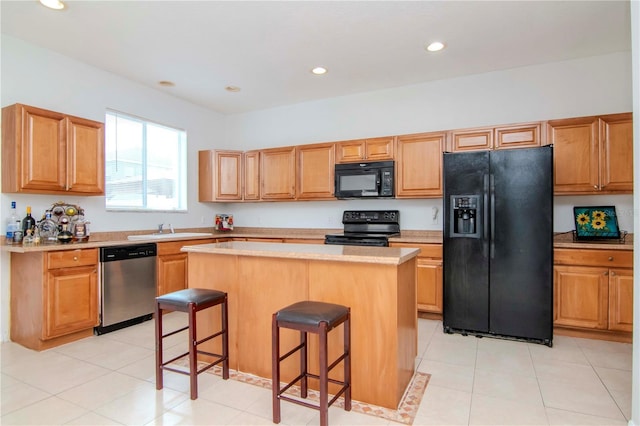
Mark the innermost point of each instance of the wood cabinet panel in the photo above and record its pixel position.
(374, 149)
(518, 136)
(592, 154)
(621, 299)
(252, 175)
(471, 139)
(72, 258)
(172, 273)
(379, 149)
(278, 173)
(172, 265)
(419, 165)
(46, 152)
(72, 300)
(606, 258)
(219, 175)
(315, 172)
(581, 296)
(428, 276)
(575, 154)
(85, 156)
(616, 153)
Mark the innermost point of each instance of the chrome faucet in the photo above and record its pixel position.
(160, 225)
(171, 229)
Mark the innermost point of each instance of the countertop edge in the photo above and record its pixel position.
(306, 252)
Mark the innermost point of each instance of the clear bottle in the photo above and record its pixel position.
(28, 222)
(13, 223)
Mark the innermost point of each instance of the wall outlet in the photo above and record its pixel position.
(434, 215)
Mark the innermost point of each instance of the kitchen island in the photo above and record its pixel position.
(377, 283)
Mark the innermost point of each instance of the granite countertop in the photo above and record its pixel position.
(107, 239)
(379, 255)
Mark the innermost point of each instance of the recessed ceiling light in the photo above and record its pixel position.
(53, 4)
(319, 70)
(166, 83)
(232, 89)
(435, 46)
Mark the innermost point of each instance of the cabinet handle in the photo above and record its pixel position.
(613, 273)
(595, 187)
(606, 273)
(610, 258)
(75, 258)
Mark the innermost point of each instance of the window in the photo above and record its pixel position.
(145, 165)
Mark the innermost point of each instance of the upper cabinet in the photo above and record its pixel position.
(419, 165)
(527, 135)
(316, 164)
(278, 173)
(592, 154)
(219, 175)
(46, 152)
(252, 175)
(376, 149)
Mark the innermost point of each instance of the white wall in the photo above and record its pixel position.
(635, 374)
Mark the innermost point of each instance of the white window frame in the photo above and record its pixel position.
(181, 173)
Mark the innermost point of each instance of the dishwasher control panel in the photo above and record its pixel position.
(130, 251)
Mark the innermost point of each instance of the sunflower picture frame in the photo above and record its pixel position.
(596, 223)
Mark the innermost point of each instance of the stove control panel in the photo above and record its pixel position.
(371, 216)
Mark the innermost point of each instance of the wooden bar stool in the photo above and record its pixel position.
(318, 318)
(191, 301)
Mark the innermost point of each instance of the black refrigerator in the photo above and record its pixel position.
(498, 244)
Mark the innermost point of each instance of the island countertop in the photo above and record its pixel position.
(358, 254)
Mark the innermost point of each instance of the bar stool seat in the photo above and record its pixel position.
(192, 301)
(319, 318)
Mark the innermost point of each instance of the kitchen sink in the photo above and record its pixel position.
(169, 235)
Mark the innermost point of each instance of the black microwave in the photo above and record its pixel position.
(365, 180)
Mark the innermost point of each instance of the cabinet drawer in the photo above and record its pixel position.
(606, 258)
(427, 250)
(174, 247)
(72, 258)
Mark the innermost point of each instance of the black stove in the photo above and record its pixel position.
(367, 228)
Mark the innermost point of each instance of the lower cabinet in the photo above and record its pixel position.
(593, 292)
(428, 276)
(54, 297)
(171, 265)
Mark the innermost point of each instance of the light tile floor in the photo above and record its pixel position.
(109, 380)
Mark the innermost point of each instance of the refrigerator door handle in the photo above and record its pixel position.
(485, 216)
(492, 186)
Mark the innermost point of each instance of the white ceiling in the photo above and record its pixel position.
(267, 48)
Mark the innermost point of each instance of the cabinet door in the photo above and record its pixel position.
(471, 140)
(71, 301)
(85, 156)
(252, 175)
(316, 165)
(278, 173)
(581, 296)
(219, 175)
(172, 273)
(575, 154)
(379, 149)
(419, 165)
(621, 299)
(518, 136)
(616, 153)
(350, 151)
(42, 139)
(429, 283)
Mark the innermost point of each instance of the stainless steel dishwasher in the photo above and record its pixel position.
(128, 285)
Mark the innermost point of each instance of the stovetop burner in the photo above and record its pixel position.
(367, 228)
